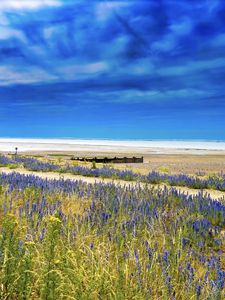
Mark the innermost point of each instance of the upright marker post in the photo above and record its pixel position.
(16, 152)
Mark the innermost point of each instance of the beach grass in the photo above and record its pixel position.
(71, 240)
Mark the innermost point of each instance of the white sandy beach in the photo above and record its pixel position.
(112, 146)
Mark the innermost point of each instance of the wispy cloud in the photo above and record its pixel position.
(28, 4)
(158, 53)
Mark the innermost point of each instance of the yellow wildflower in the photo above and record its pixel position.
(54, 219)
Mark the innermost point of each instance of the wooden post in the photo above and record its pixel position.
(16, 152)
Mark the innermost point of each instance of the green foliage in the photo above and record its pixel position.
(51, 249)
(12, 167)
(93, 165)
(59, 155)
(164, 169)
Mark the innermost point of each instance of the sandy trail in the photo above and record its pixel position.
(53, 175)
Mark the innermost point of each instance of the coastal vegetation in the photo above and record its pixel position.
(62, 239)
(210, 181)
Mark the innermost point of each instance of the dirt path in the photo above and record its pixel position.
(53, 175)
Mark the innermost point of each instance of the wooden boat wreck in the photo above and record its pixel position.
(113, 160)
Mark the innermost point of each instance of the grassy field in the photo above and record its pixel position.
(62, 239)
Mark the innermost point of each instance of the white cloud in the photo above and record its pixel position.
(183, 27)
(27, 4)
(167, 43)
(193, 66)
(12, 75)
(7, 32)
(143, 67)
(75, 71)
(105, 9)
(153, 96)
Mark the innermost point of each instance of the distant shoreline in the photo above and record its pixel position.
(112, 146)
(111, 139)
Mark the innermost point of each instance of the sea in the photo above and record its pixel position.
(59, 144)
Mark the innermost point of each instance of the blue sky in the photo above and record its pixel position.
(112, 69)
